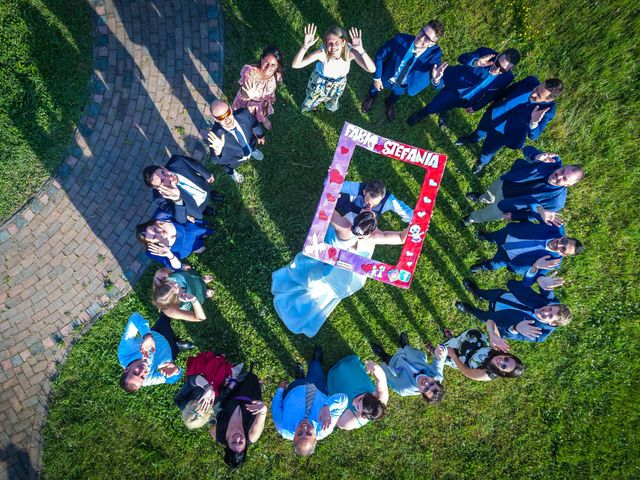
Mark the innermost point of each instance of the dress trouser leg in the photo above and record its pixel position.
(490, 212)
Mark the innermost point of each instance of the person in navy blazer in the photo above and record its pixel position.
(535, 187)
(407, 64)
(520, 313)
(523, 110)
(529, 249)
(182, 188)
(482, 75)
(234, 138)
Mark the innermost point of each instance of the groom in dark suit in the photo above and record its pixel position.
(234, 138)
(182, 188)
(407, 64)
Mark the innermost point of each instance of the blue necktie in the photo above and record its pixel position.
(507, 106)
(405, 70)
(524, 244)
(473, 91)
(246, 149)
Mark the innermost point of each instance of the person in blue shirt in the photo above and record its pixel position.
(373, 195)
(407, 64)
(303, 411)
(529, 249)
(534, 188)
(520, 313)
(523, 110)
(482, 75)
(147, 354)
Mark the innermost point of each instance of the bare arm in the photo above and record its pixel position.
(472, 373)
(187, 316)
(389, 237)
(301, 60)
(382, 389)
(258, 426)
(342, 226)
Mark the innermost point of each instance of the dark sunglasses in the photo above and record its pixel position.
(500, 68)
(223, 116)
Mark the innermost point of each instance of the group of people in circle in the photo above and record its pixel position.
(228, 397)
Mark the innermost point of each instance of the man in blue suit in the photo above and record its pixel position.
(182, 188)
(472, 85)
(534, 187)
(520, 313)
(523, 110)
(407, 64)
(529, 249)
(234, 138)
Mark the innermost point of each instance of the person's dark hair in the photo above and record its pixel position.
(554, 86)
(235, 459)
(437, 397)
(372, 407)
(365, 223)
(438, 27)
(375, 188)
(126, 386)
(512, 55)
(141, 228)
(517, 371)
(147, 174)
(579, 246)
(277, 54)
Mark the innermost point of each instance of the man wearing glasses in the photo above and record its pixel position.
(529, 249)
(407, 64)
(535, 188)
(234, 138)
(482, 75)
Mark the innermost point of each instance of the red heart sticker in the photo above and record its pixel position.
(335, 177)
(367, 267)
(322, 215)
(333, 252)
(331, 198)
(377, 147)
(344, 150)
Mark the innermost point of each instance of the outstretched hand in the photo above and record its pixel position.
(550, 282)
(546, 263)
(550, 218)
(310, 37)
(485, 61)
(438, 71)
(356, 39)
(547, 157)
(538, 114)
(216, 143)
(325, 417)
(527, 328)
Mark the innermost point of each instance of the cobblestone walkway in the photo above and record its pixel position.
(70, 253)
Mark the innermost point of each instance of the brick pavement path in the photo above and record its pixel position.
(70, 253)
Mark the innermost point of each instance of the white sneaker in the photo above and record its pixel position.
(237, 177)
(257, 155)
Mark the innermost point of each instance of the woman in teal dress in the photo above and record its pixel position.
(307, 290)
(367, 402)
(180, 294)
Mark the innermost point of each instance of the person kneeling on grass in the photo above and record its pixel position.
(409, 372)
(148, 358)
(180, 294)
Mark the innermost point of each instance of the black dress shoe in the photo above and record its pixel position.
(464, 140)
(209, 211)
(463, 307)
(380, 352)
(299, 372)
(317, 353)
(182, 345)
(477, 170)
(483, 236)
(404, 339)
(470, 287)
(478, 267)
(216, 197)
(414, 118)
(391, 112)
(442, 119)
(473, 196)
(367, 104)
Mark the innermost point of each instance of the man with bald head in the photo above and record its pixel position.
(303, 411)
(535, 188)
(234, 138)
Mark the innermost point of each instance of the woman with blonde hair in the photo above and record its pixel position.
(333, 61)
(180, 294)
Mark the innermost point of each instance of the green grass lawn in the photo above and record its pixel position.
(574, 414)
(45, 64)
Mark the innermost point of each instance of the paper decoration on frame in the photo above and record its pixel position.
(401, 274)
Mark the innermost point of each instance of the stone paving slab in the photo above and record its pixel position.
(157, 64)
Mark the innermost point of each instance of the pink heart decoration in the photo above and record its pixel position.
(322, 215)
(367, 267)
(335, 176)
(331, 198)
(332, 252)
(344, 150)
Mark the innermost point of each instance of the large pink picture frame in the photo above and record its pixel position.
(402, 273)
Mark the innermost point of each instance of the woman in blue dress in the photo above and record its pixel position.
(307, 290)
(367, 402)
(169, 242)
